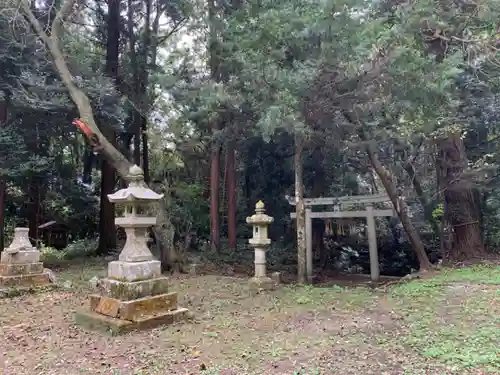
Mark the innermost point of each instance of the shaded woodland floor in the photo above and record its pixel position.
(448, 324)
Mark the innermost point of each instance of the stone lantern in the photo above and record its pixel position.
(134, 294)
(20, 265)
(260, 241)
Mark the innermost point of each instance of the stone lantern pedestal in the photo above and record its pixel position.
(134, 295)
(20, 265)
(260, 241)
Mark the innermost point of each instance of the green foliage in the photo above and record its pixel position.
(189, 208)
(76, 250)
(438, 212)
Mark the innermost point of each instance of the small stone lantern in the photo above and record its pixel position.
(135, 294)
(260, 241)
(20, 265)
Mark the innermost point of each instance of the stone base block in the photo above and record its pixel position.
(262, 283)
(98, 322)
(134, 310)
(127, 291)
(28, 256)
(21, 269)
(25, 280)
(134, 271)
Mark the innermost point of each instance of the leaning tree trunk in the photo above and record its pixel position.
(461, 200)
(399, 204)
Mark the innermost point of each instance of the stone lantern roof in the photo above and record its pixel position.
(260, 218)
(137, 189)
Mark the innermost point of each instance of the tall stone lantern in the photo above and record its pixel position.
(134, 294)
(260, 241)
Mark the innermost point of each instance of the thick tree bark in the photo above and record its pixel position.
(231, 196)
(462, 201)
(101, 144)
(301, 212)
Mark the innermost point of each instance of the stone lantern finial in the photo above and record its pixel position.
(135, 176)
(260, 207)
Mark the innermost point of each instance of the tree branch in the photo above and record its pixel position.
(82, 102)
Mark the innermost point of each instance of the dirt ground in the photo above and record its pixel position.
(449, 324)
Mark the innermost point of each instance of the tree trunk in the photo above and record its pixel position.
(231, 196)
(301, 212)
(107, 232)
(426, 205)
(399, 204)
(88, 166)
(462, 201)
(137, 139)
(145, 148)
(215, 75)
(33, 210)
(214, 196)
(164, 233)
(3, 185)
(33, 144)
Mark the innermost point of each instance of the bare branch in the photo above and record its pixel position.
(82, 102)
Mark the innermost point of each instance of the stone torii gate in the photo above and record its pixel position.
(369, 213)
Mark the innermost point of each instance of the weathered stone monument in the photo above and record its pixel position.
(20, 265)
(135, 294)
(260, 241)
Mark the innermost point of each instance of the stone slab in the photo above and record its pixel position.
(134, 271)
(133, 310)
(21, 269)
(258, 284)
(127, 291)
(144, 307)
(25, 280)
(97, 322)
(30, 256)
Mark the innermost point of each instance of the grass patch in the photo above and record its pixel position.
(454, 317)
(480, 274)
